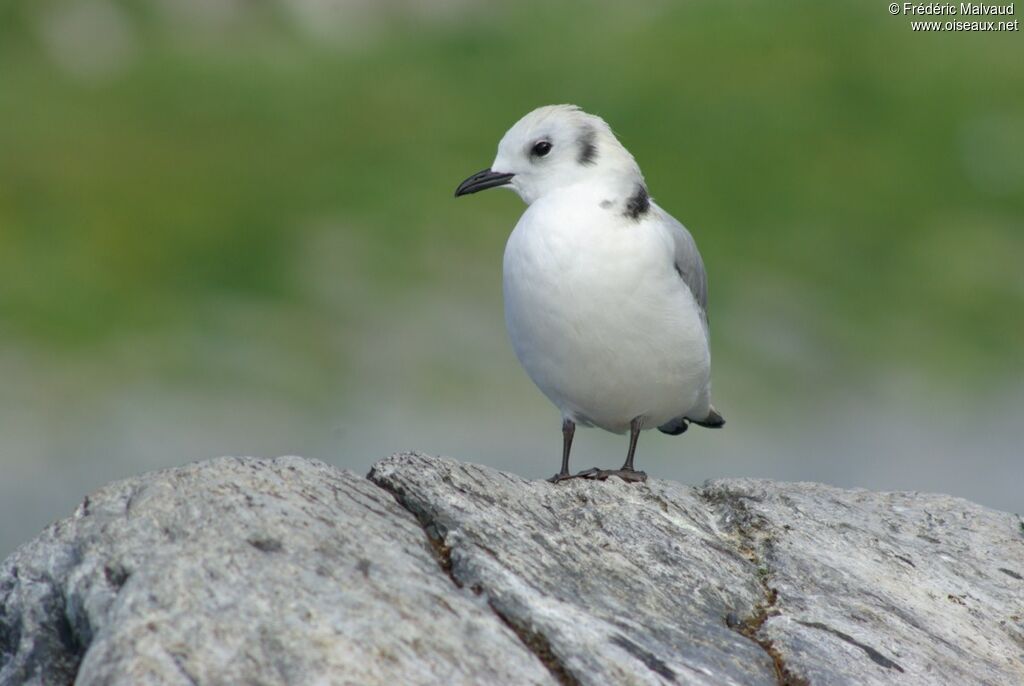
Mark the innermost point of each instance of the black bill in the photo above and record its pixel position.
(482, 181)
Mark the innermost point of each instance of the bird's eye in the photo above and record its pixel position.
(541, 148)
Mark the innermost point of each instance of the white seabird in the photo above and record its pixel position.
(605, 292)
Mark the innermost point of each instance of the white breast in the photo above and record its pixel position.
(599, 317)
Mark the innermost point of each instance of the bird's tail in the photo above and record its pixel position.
(712, 421)
(680, 424)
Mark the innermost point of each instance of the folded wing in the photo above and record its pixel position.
(690, 266)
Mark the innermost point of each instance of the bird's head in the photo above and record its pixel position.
(554, 147)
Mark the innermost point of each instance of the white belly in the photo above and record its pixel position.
(601, 321)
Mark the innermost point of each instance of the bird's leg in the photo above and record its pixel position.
(634, 436)
(568, 430)
(626, 473)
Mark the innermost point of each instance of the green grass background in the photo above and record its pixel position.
(245, 198)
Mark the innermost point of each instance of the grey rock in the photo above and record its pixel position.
(244, 571)
(632, 583)
(624, 584)
(432, 571)
(881, 588)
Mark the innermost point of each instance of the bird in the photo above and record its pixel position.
(605, 293)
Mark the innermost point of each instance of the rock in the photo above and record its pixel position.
(432, 571)
(619, 583)
(244, 571)
(881, 588)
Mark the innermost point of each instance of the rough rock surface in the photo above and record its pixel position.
(432, 571)
(244, 571)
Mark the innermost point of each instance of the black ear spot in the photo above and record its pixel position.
(588, 147)
(540, 148)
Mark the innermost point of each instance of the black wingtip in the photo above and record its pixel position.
(712, 421)
(677, 426)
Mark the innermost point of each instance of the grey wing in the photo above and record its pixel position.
(690, 266)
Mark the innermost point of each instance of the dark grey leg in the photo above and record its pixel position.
(626, 473)
(568, 431)
(634, 436)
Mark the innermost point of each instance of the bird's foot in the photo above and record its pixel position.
(629, 475)
(595, 474)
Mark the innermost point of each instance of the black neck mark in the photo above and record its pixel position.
(588, 147)
(638, 204)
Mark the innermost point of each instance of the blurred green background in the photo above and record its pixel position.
(227, 227)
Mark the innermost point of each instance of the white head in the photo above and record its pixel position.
(554, 147)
